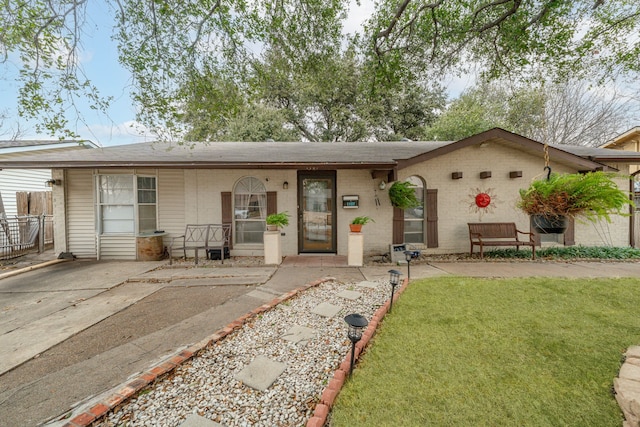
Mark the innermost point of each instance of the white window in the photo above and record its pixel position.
(126, 204)
(250, 210)
(414, 217)
(147, 204)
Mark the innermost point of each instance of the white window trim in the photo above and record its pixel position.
(136, 217)
(250, 245)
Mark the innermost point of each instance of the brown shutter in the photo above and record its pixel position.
(570, 234)
(432, 218)
(227, 212)
(398, 226)
(272, 202)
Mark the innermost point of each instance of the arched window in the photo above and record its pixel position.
(414, 217)
(250, 210)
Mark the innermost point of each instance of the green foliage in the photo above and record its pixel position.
(279, 219)
(402, 195)
(361, 220)
(489, 105)
(592, 196)
(569, 252)
(504, 38)
(495, 352)
(198, 66)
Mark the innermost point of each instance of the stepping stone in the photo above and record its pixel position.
(326, 310)
(194, 420)
(262, 295)
(261, 373)
(370, 285)
(351, 295)
(299, 334)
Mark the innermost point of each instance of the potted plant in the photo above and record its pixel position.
(591, 196)
(277, 220)
(403, 195)
(358, 222)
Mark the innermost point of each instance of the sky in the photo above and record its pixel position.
(99, 60)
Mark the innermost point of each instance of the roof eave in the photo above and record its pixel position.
(501, 135)
(198, 165)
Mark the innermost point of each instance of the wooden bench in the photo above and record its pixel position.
(485, 234)
(201, 236)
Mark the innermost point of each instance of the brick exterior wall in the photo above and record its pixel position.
(194, 196)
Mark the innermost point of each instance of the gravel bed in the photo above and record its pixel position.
(205, 385)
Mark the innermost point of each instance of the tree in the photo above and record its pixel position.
(14, 132)
(403, 110)
(578, 113)
(570, 112)
(490, 104)
(507, 36)
(168, 44)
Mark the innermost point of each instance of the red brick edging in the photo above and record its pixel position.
(101, 409)
(332, 390)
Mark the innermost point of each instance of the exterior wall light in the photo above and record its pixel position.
(51, 182)
(285, 185)
(394, 279)
(357, 323)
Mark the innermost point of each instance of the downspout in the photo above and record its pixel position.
(632, 208)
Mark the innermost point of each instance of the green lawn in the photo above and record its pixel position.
(496, 352)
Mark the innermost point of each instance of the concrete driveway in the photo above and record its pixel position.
(73, 330)
(46, 306)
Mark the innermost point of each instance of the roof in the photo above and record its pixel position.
(272, 155)
(304, 155)
(622, 139)
(29, 145)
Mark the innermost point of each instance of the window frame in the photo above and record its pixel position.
(239, 235)
(421, 220)
(134, 203)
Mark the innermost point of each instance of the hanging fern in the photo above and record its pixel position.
(592, 196)
(403, 195)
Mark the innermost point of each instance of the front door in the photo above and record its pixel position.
(316, 211)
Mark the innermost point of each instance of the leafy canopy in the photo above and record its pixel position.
(200, 66)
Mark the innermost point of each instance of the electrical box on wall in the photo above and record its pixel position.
(350, 202)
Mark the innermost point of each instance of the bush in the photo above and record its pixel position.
(570, 252)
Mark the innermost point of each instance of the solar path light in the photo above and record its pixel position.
(408, 256)
(356, 323)
(394, 279)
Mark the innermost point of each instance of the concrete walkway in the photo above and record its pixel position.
(73, 330)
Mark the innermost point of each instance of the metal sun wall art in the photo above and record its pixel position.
(482, 201)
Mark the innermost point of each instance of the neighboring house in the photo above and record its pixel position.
(109, 197)
(28, 180)
(628, 141)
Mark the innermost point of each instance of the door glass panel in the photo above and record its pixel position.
(317, 223)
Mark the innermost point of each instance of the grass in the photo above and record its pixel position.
(486, 352)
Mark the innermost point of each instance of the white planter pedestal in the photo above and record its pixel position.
(355, 249)
(272, 248)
